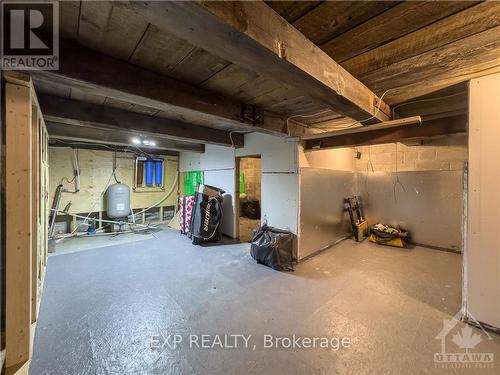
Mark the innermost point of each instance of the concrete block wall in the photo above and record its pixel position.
(446, 154)
(251, 168)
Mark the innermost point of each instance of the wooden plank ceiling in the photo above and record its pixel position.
(411, 49)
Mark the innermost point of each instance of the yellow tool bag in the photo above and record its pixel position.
(385, 235)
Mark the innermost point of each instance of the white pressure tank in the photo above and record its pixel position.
(118, 201)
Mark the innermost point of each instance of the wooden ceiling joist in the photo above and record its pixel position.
(401, 133)
(98, 74)
(253, 36)
(94, 116)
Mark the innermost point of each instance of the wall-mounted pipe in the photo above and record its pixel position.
(76, 169)
(55, 208)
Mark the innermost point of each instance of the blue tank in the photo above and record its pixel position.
(148, 166)
(158, 172)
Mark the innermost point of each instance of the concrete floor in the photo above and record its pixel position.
(101, 307)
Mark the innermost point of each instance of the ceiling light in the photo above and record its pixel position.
(145, 142)
(152, 143)
(136, 141)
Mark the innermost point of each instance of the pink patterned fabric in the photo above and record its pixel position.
(186, 208)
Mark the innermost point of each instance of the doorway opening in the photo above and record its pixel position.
(249, 177)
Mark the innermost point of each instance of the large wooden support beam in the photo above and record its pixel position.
(253, 36)
(19, 226)
(404, 132)
(88, 115)
(98, 74)
(103, 147)
(72, 134)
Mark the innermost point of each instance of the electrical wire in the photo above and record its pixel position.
(231, 135)
(368, 165)
(96, 144)
(425, 100)
(74, 176)
(335, 128)
(162, 199)
(114, 168)
(369, 118)
(305, 116)
(397, 181)
(95, 203)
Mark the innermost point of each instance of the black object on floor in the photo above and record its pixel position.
(207, 215)
(250, 209)
(273, 247)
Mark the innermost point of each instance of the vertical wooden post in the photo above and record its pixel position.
(35, 142)
(18, 189)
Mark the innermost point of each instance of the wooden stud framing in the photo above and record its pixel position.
(26, 198)
(19, 231)
(35, 144)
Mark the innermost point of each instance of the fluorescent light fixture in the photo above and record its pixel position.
(145, 142)
(136, 141)
(151, 143)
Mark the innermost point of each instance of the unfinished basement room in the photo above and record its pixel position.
(250, 187)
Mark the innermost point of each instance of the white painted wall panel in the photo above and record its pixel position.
(217, 157)
(483, 242)
(189, 161)
(338, 159)
(278, 154)
(280, 200)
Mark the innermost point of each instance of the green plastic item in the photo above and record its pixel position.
(242, 182)
(191, 179)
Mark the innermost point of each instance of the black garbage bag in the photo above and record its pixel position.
(273, 247)
(207, 215)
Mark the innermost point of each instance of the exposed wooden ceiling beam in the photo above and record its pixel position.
(98, 74)
(431, 128)
(102, 147)
(77, 113)
(365, 129)
(253, 36)
(104, 136)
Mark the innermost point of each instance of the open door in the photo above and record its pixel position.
(248, 197)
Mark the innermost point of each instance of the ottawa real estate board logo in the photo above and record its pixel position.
(461, 345)
(30, 35)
